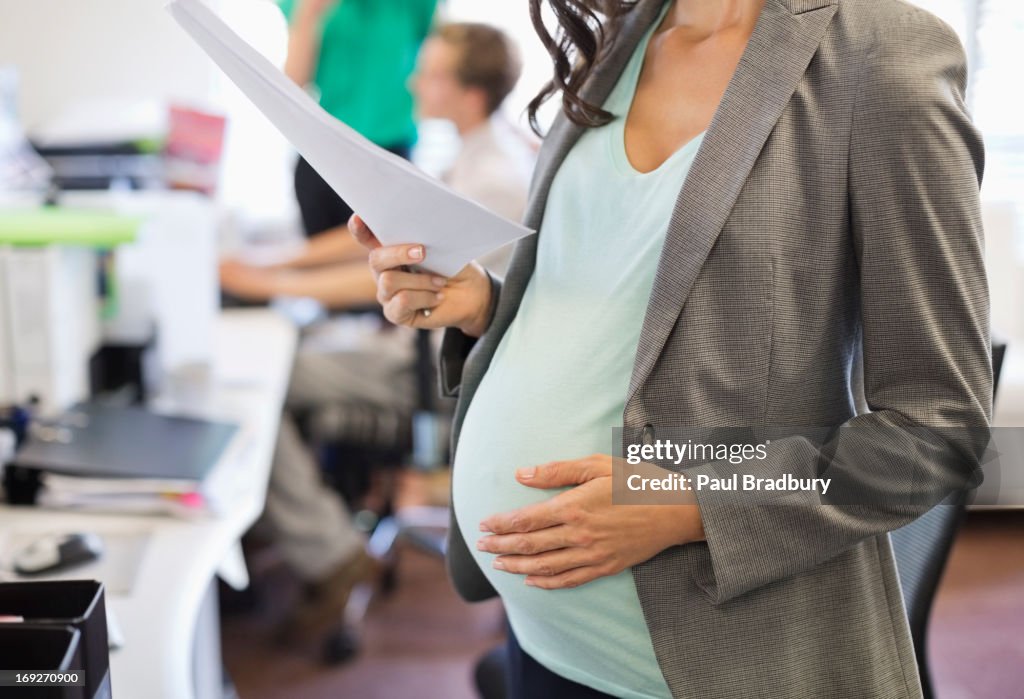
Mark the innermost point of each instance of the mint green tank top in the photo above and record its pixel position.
(557, 384)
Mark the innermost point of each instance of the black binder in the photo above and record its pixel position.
(99, 441)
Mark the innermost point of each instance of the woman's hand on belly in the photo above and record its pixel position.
(580, 535)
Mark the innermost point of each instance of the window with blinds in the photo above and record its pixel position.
(997, 99)
(992, 32)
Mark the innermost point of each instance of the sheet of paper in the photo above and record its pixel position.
(397, 201)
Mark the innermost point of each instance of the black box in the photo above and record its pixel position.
(76, 603)
(40, 648)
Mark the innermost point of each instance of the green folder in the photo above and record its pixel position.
(60, 226)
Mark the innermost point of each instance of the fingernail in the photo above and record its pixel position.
(529, 582)
(485, 528)
(525, 474)
(439, 281)
(416, 253)
(498, 564)
(481, 545)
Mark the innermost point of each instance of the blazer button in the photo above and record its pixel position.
(647, 436)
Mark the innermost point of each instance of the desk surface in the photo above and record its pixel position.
(246, 384)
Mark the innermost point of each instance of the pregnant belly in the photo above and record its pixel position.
(483, 476)
(512, 424)
(592, 631)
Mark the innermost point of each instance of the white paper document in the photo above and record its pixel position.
(397, 201)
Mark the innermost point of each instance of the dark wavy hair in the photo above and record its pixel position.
(585, 29)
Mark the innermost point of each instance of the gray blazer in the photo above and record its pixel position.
(829, 229)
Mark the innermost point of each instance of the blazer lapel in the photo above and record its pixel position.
(786, 36)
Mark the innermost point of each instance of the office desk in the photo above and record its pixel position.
(169, 620)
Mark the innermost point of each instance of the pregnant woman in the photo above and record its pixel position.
(749, 212)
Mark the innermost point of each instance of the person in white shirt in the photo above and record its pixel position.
(464, 74)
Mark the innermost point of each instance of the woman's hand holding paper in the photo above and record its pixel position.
(425, 300)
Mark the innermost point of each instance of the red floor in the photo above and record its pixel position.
(420, 642)
(977, 631)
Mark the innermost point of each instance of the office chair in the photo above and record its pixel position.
(922, 549)
(359, 442)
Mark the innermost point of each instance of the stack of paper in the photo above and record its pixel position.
(180, 498)
(397, 201)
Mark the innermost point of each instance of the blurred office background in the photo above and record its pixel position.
(110, 70)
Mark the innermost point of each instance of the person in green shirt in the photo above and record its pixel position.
(358, 55)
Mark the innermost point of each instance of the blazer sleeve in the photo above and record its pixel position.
(456, 345)
(915, 167)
